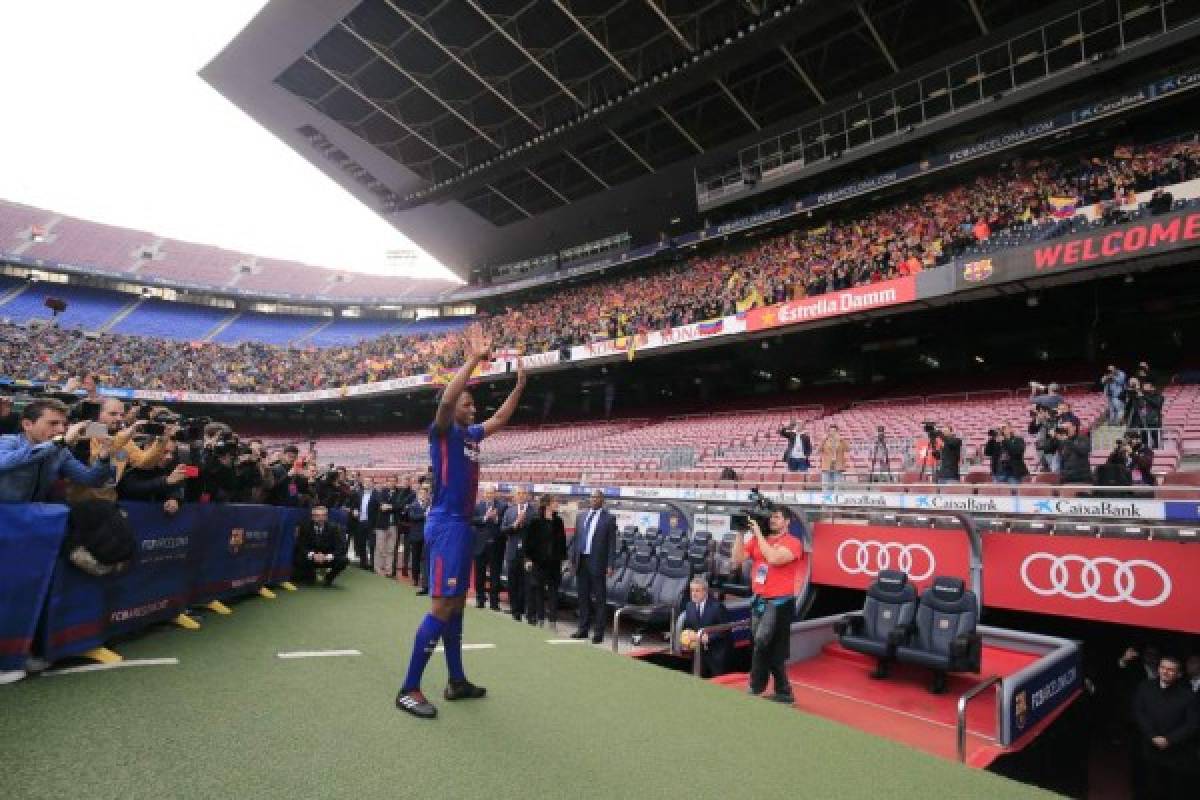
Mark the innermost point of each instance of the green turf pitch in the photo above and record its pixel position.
(232, 720)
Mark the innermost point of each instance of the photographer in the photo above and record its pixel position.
(947, 448)
(1112, 383)
(1042, 422)
(777, 557)
(288, 481)
(1150, 405)
(1007, 453)
(1074, 450)
(218, 476)
(252, 478)
(1133, 406)
(160, 482)
(126, 454)
(799, 447)
(32, 460)
(1141, 460)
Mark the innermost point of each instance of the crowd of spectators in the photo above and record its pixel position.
(883, 244)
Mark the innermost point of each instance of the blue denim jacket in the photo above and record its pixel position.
(28, 471)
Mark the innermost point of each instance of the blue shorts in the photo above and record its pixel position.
(449, 541)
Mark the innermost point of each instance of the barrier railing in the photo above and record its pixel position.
(199, 557)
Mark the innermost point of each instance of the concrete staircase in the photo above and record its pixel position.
(120, 315)
(222, 325)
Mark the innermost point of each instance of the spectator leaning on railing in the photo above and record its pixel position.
(32, 460)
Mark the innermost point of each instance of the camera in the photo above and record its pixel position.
(227, 444)
(1060, 430)
(992, 433)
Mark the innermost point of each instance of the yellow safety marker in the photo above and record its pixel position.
(267, 593)
(217, 607)
(187, 623)
(103, 655)
(288, 586)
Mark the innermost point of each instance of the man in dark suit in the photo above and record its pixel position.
(701, 611)
(591, 551)
(489, 553)
(1167, 719)
(320, 544)
(364, 511)
(516, 520)
(415, 558)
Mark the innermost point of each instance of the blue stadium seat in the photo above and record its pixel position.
(87, 308)
(167, 320)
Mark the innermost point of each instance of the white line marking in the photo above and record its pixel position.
(442, 648)
(319, 653)
(137, 662)
(566, 641)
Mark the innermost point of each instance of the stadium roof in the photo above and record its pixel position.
(493, 130)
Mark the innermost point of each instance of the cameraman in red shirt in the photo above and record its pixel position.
(777, 557)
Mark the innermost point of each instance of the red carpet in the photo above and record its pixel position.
(836, 685)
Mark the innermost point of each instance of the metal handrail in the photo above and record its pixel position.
(963, 701)
(616, 635)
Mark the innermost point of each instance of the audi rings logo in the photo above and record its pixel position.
(1080, 578)
(857, 557)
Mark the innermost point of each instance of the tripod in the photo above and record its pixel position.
(881, 462)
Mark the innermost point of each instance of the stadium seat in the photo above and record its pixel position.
(619, 581)
(666, 590)
(640, 572)
(885, 621)
(944, 636)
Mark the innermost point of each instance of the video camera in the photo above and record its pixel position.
(760, 511)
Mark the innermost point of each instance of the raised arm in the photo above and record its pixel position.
(478, 346)
(509, 406)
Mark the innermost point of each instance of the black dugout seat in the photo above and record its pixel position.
(944, 636)
(884, 623)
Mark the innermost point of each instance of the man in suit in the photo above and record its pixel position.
(1167, 719)
(489, 553)
(592, 549)
(513, 525)
(417, 511)
(364, 511)
(320, 544)
(700, 612)
(391, 502)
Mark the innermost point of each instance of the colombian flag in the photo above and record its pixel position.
(1063, 207)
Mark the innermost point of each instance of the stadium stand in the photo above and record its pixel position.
(87, 309)
(76, 241)
(278, 329)
(167, 320)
